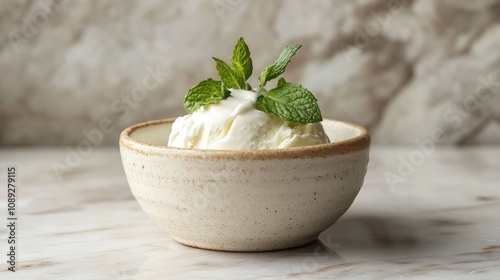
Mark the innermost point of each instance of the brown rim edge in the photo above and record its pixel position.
(354, 144)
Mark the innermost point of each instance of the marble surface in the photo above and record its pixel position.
(439, 222)
(401, 68)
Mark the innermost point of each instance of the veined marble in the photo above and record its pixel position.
(401, 68)
(439, 222)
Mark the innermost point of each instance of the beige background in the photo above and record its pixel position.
(407, 70)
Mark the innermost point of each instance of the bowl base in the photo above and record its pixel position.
(247, 246)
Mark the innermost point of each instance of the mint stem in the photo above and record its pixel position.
(262, 90)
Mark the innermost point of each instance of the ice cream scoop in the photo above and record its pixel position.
(235, 124)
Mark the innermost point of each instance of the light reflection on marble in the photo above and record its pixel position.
(441, 223)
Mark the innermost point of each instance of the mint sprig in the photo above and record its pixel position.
(288, 101)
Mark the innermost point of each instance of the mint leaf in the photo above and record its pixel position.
(241, 69)
(227, 75)
(278, 67)
(242, 62)
(290, 102)
(281, 82)
(204, 93)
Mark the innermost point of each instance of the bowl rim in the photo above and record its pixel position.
(354, 144)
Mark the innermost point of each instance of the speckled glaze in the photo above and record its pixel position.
(244, 200)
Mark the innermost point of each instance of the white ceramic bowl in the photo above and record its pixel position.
(244, 200)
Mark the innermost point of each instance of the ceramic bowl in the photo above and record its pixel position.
(244, 200)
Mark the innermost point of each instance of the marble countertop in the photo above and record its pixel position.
(436, 216)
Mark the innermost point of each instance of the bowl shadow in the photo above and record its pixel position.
(365, 237)
(356, 239)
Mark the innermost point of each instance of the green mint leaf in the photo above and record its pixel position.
(241, 69)
(204, 93)
(241, 62)
(278, 67)
(281, 82)
(227, 75)
(292, 103)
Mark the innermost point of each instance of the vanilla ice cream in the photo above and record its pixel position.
(235, 124)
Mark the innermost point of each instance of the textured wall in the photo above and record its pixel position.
(407, 70)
